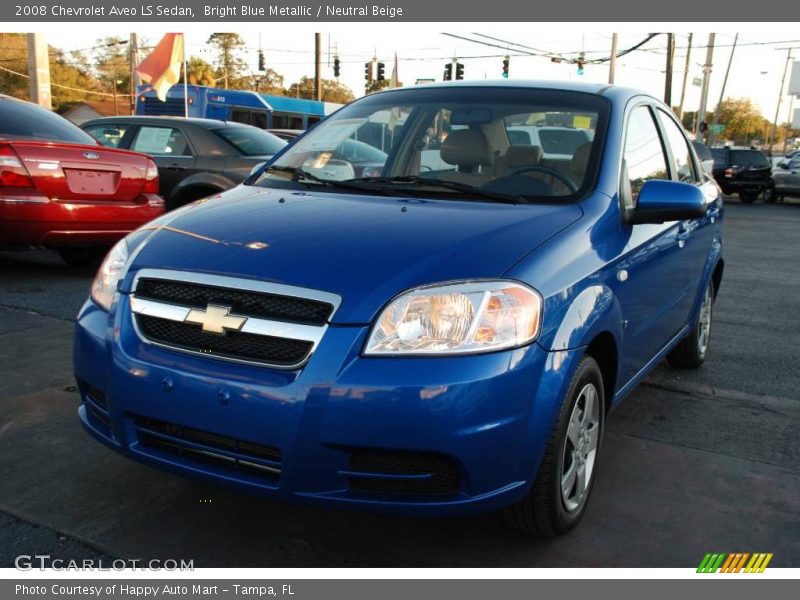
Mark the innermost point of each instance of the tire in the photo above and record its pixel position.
(546, 511)
(747, 197)
(769, 195)
(692, 350)
(81, 257)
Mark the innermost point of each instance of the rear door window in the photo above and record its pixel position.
(161, 141)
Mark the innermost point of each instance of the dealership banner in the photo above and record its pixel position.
(41, 11)
(387, 589)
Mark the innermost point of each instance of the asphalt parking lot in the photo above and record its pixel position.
(693, 462)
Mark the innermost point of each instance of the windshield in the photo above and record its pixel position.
(536, 145)
(251, 141)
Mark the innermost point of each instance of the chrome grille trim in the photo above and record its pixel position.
(254, 325)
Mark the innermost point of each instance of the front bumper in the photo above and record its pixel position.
(487, 418)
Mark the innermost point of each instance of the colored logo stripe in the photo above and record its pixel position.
(734, 563)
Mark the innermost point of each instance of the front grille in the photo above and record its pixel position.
(399, 472)
(208, 448)
(241, 302)
(233, 345)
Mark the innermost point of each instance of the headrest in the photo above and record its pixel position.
(523, 156)
(580, 160)
(466, 148)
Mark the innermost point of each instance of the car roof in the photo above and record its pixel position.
(204, 123)
(617, 93)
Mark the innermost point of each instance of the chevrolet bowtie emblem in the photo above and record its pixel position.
(215, 319)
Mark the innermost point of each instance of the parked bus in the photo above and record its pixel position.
(242, 106)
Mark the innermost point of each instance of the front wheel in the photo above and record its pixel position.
(564, 482)
(691, 352)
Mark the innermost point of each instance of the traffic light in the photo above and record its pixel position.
(459, 71)
(381, 70)
(368, 72)
(261, 62)
(506, 62)
(581, 62)
(336, 66)
(448, 72)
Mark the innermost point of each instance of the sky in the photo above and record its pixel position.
(423, 49)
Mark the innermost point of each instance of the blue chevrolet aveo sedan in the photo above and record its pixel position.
(441, 333)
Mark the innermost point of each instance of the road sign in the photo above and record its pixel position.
(794, 80)
(717, 129)
(697, 81)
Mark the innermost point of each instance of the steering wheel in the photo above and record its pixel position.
(568, 183)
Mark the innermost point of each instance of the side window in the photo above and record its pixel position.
(108, 135)
(644, 155)
(161, 141)
(795, 164)
(684, 166)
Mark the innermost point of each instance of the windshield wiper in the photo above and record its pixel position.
(416, 180)
(299, 174)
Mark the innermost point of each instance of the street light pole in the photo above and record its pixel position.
(685, 76)
(668, 74)
(701, 112)
(772, 131)
(612, 65)
(722, 92)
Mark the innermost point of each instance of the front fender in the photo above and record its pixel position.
(592, 311)
(205, 180)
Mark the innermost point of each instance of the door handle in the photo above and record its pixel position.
(176, 168)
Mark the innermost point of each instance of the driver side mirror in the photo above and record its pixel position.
(662, 200)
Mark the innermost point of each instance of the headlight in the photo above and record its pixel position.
(458, 318)
(108, 275)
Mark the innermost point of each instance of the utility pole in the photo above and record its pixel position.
(772, 131)
(133, 48)
(317, 66)
(114, 85)
(668, 74)
(39, 70)
(685, 76)
(722, 92)
(612, 65)
(701, 112)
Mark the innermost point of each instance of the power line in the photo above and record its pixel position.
(65, 87)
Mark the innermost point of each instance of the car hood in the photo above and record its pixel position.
(367, 249)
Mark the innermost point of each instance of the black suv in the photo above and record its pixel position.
(743, 171)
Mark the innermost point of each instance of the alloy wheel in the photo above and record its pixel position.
(580, 448)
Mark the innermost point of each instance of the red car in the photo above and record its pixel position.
(59, 188)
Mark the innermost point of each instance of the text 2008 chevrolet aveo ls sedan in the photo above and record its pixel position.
(443, 335)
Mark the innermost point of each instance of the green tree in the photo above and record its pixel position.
(112, 65)
(228, 47)
(377, 86)
(200, 72)
(332, 90)
(743, 121)
(70, 70)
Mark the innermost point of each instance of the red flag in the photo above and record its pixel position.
(162, 68)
